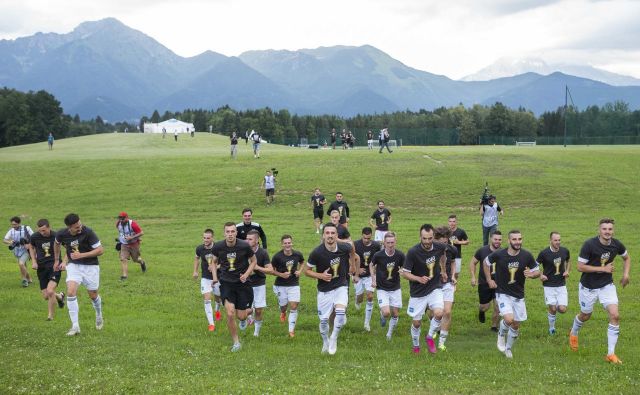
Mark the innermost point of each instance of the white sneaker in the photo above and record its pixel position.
(367, 327)
(388, 338)
(501, 343)
(333, 345)
(325, 347)
(243, 325)
(508, 353)
(99, 322)
(73, 331)
(236, 347)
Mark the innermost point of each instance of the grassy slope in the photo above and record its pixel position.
(155, 337)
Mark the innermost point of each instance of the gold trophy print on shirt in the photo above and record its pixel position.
(367, 255)
(382, 218)
(390, 267)
(335, 263)
(513, 268)
(289, 265)
(340, 208)
(431, 262)
(557, 262)
(75, 246)
(604, 258)
(231, 257)
(46, 249)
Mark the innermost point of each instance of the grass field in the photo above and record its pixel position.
(155, 338)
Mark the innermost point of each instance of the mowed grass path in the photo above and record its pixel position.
(155, 338)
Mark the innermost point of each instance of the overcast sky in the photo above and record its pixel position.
(455, 39)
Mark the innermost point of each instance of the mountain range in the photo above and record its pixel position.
(106, 68)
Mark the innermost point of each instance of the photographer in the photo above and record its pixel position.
(489, 210)
(269, 185)
(17, 238)
(129, 233)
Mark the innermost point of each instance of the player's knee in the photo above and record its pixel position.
(584, 316)
(515, 325)
(614, 318)
(553, 309)
(416, 324)
(562, 309)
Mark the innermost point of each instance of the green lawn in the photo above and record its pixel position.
(155, 337)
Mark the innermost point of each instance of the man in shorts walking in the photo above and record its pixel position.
(17, 238)
(129, 233)
(258, 281)
(209, 282)
(385, 278)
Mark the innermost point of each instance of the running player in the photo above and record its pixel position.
(258, 281)
(365, 248)
(287, 265)
(317, 203)
(512, 265)
(342, 207)
(209, 282)
(458, 239)
(442, 235)
(596, 283)
(425, 268)
(486, 295)
(343, 232)
(247, 224)
(554, 261)
(381, 218)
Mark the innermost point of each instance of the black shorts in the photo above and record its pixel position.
(240, 295)
(485, 294)
(47, 274)
(270, 192)
(318, 213)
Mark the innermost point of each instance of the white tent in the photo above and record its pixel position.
(171, 126)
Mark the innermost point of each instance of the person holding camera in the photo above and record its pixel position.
(269, 185)
(17, 238)
(129, 233)
(489, 209)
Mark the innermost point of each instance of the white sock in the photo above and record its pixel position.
(217, 306)
(577, 324)
(97, 306)
(503, 328)
(434, 326)
(511, 337)
(338, 322)
(208, 311)
(257, 326)
(324, 330)
(367, 312)
(443, 337)
(293, 317)
(415, 335)
(72, 306)
(392, 325)
(552, 320)
(612, 338)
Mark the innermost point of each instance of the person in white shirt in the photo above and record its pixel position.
(17, 238)
(269, 185)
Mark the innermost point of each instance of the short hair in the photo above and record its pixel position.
(247, 210)
(71, 219)
(389, 235)
(334, 211)
(15, 219)
(441, 232)
(209, 230)
(553, 233)
(228, 224)
(380, 201)
(453, 216)
(43, 222)
(338, 193)
(253, 232)
(329, 225)
(426, 227)
(514, 231)
(607, 221)
(284, 237)
(495, 232)
(367, 230)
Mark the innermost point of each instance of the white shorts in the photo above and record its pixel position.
(606, 295)
(260, 296)
(389, 298)
(328, 300)
(510, 305)
(287, 294)
(87, 275)
(417, 306)
(363, 285)
(379, 236)
(556, 296)
(458, 265)
(448, 291)
(24, 257)
(206, 287)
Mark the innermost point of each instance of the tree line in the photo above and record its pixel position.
(29, 117)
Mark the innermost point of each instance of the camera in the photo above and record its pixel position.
(18, 243)
(274, 171)
(485, 195)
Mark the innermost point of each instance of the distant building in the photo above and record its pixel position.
(172, 125)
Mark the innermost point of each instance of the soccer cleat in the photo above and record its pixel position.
(25, 283)
(442, 347)
(431, 344)
(388, 338)
(325, 347)
(333, 345)
(61, 301)
(49, 318)
(283, 316)
(211, 328)
(292, 334)
(383, 321)
(218, 316)
(99, 322)
(143, 266)
(508, 353)
(573, 341)
(236, 347)
(73, 331)
(415, 350)
(123, 278)
(367, 327)
(612, 358)
(243, 325)
(482, 316)
(501, 343)
(494, 328)
(552, 331)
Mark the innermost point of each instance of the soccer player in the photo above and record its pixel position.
(458, 239)
(236, 260)
(16, 238)
(425, 268)
(317, 203)
(269, 185)
(369, 139)
(287, 265)
(512, 265)
(129, 233)
(381, 218)
(595, 262)
(365, 248)
(485, 294)
(41, 245)
(258, 280)
(209, 283)
(330, 263)
(342, 207)
(555, 270)
(83, 249)
(442, 235)
(343, 232)
(247, 224)
(385, 277)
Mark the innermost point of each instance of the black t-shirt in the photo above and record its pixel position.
(44, 248)
(85, 241)
(452, 254)
(234, 140)
(233, 261)
(258, 278)
(388, 269)
(594, 253)
(317, 201)
(480, 255)
(343, 232)
(554, 264)
(510, 271)
(206, 255)
(369, 135)
(458, 234)
(382, 219)
(342, 208)
(420, 262)
(291, 263)
(243, 229)
(366, 253)
(337, 262)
